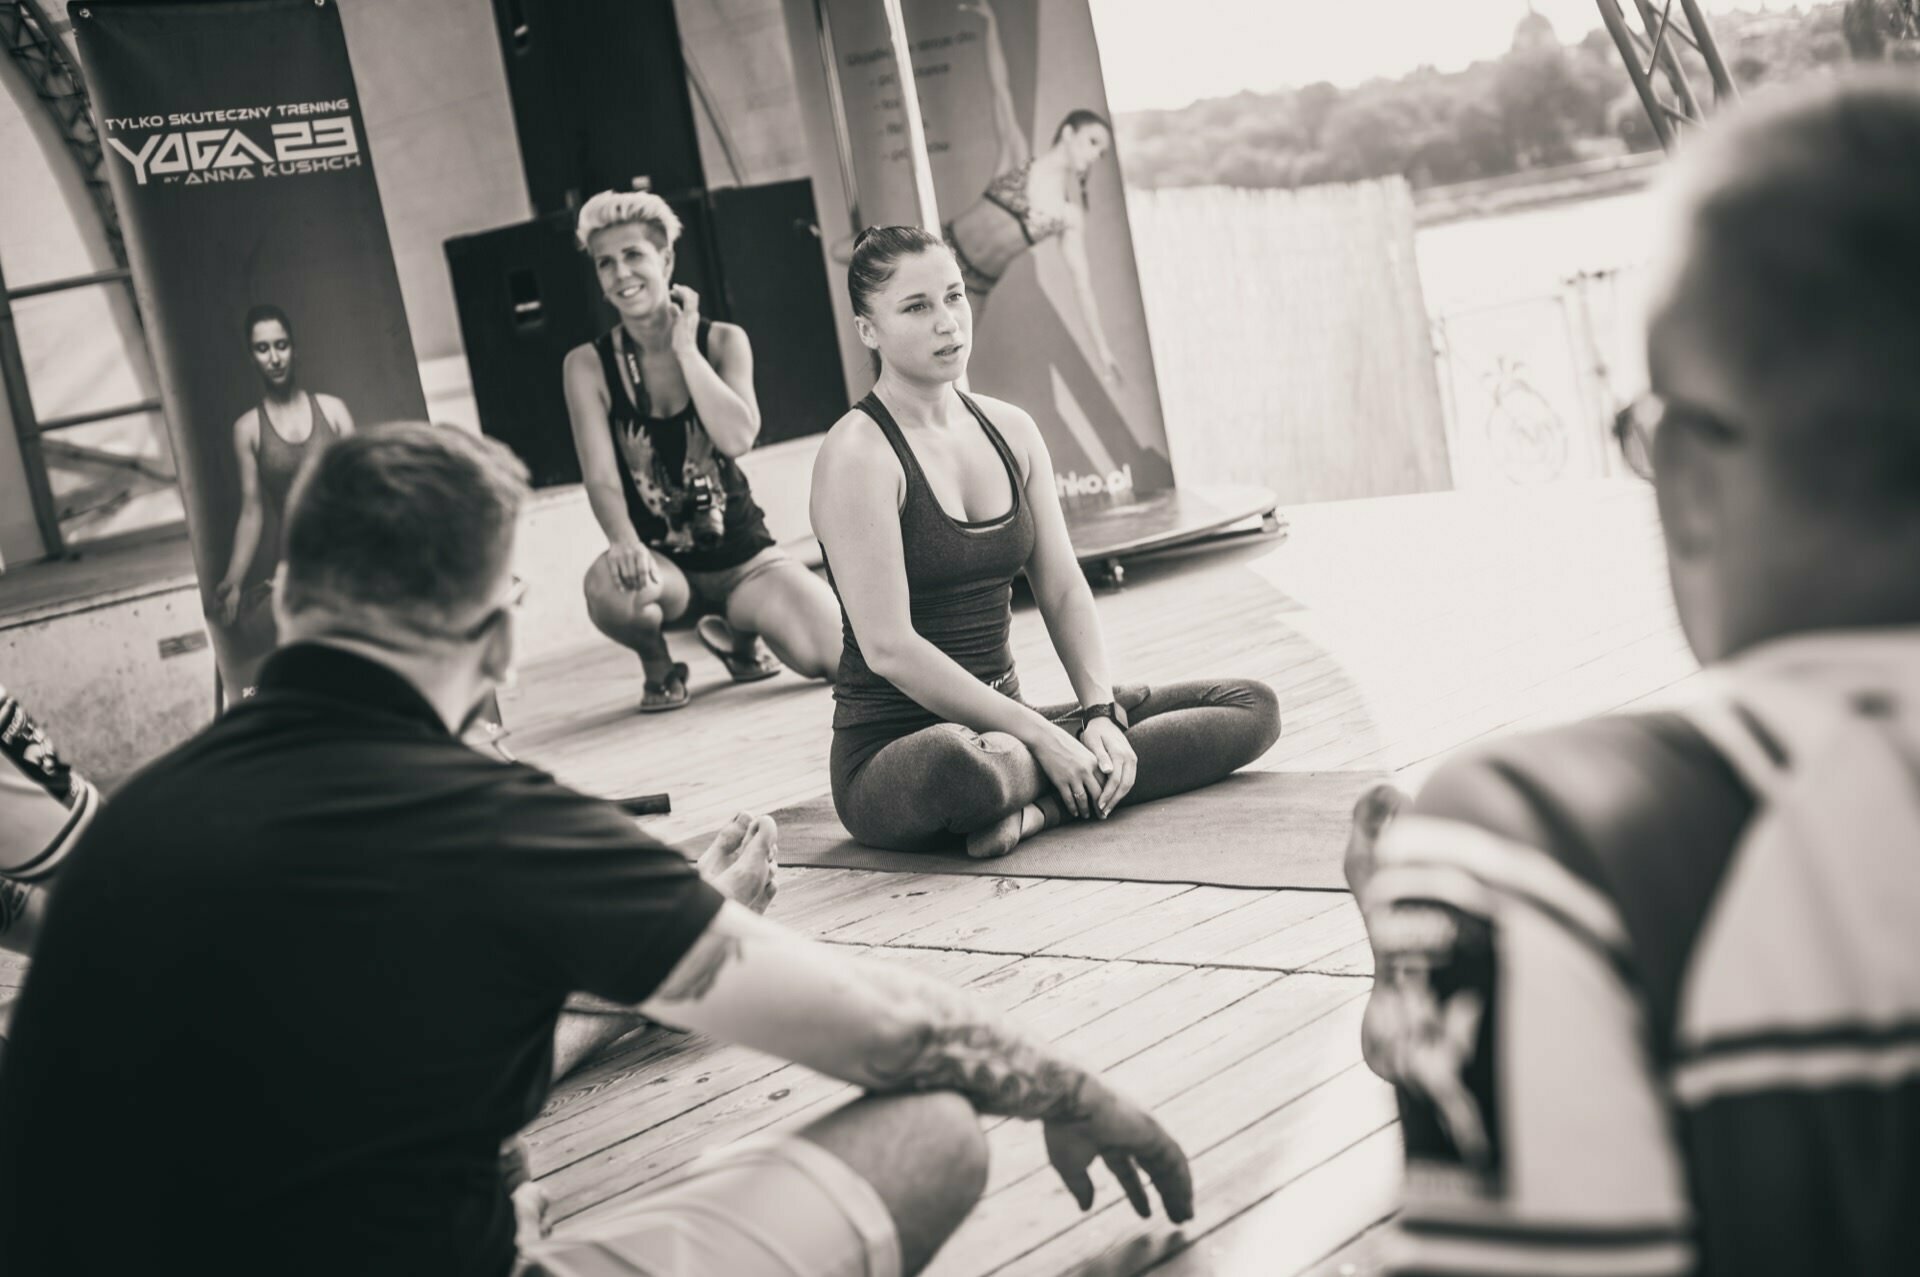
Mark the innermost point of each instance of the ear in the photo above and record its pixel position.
(1687, 486)
(869, 337)
(666, 262)
(496, 659)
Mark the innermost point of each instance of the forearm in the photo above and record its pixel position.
(944, 1039)
(1073, 623)
(730, 421)
(1090, 310)
(868, 1022)
(944, 687)
(246, 539)
(609, 506)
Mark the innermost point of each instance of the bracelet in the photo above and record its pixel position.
(1107, 710)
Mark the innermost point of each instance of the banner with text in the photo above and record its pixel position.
(1031, 201)
(238, 159)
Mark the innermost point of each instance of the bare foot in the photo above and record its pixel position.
(749, 866)
(725, 847)
(1011, 830)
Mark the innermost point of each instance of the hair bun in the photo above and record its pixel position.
(866, 233)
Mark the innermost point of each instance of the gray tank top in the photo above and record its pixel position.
(959, 587)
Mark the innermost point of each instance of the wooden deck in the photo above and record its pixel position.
(1394, 631)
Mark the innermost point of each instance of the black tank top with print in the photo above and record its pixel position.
(687, 499)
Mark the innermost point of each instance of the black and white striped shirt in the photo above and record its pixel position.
(1649, 986)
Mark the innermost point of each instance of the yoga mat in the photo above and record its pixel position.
(1256, 829)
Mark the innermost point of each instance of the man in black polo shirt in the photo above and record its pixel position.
(335, 943)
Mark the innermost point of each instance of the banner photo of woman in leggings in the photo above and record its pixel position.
(271, 441)
(1032, 205)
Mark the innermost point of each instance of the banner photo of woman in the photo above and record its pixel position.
(1032, 203)
(237, 154)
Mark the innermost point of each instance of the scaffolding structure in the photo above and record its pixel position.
(1654, 49)
(33, 41)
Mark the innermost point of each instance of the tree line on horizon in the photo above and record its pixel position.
(1541, 104)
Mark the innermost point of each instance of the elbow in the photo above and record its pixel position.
(738, 441)
(890, 657)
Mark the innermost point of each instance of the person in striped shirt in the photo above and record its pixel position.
(1648, 986)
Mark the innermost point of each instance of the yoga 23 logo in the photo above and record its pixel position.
(194, 156)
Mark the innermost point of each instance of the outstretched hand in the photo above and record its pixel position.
(1129, 1141)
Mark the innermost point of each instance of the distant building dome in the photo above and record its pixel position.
(1534, 33)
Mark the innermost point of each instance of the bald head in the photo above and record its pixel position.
(1799, 280)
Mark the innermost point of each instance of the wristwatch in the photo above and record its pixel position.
(1107, 710)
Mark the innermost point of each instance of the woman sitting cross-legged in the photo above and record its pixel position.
(928, 502)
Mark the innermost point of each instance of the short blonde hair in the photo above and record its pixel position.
(624, 208)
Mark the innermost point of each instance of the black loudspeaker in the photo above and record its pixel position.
(599, 96)
(776, 286)
(526, 296)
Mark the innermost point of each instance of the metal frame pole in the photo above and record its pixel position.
(924, 202)
(26, 428)
(1624, 41)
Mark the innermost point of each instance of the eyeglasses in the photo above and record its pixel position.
(1635, 426)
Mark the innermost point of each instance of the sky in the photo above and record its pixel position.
(1215, 48)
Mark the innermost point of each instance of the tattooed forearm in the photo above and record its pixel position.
(1000, 1071)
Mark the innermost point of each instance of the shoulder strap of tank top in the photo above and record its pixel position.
(610, 369)
(319, 417)
(1000, 445)
(872, 406)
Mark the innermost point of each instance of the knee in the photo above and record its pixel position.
(975, 775)
(948, 1130)
(615, 610)
(1262, 707)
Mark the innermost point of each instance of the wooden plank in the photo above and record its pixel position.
(1305, 942)
(1360, 1257)
(933, 898)
(872, 895)
(1034, 1228)
(623, 1167)
(1323, 1224)
(1354, 960)
(1033, 917)
(1291, 1028)
(1129, 931)
(1207, 941)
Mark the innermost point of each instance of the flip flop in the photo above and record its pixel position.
(718, 637)
(660, 697)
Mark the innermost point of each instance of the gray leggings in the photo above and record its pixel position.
(927, 791)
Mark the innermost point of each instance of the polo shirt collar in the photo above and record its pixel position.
(335, 674)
